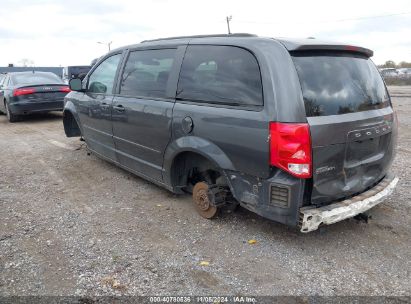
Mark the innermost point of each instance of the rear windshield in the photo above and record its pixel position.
(339, 83)
(36, 78)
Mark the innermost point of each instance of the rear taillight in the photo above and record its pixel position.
(23, 91)
(290, 148)
(65, 89)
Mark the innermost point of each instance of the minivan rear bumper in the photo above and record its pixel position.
(311, 217)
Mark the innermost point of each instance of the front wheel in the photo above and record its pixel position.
(202, 201)
(10, 116)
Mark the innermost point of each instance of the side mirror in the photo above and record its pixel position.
(76, 84)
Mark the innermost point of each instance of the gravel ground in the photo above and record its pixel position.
(72, 224)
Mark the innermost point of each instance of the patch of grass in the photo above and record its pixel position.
(398, 81)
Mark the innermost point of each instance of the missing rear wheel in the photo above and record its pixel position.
(202, 202)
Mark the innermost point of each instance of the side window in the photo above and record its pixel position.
(102, 78)
(220, 74)
(146, 73)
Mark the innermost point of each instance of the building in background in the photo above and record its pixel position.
(56, 70)
(78, 71)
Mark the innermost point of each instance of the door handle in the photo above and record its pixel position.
(119, 108)
(105, 105)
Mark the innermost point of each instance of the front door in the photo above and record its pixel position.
(142, 112)
(95, 105)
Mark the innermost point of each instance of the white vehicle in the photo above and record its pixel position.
(389, 72)
(404, 71)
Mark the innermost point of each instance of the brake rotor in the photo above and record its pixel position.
(202, 201)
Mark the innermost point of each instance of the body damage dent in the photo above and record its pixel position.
(312, 218)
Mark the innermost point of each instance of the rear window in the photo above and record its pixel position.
(339, 83)
(36, 78)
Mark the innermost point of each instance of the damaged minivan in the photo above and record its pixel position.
(298, 131)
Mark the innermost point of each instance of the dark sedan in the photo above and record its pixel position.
(23, 93)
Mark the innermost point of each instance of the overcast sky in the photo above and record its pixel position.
(66, 32)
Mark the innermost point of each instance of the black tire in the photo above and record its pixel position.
(3, 112)
(10, 116)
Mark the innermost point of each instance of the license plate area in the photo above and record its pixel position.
(361, 150)
(367, 143)
(46, 96)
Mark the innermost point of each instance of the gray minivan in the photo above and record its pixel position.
(298, 131)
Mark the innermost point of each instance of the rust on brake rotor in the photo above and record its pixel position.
(202, 202)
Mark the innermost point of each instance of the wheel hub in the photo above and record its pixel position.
(202, 200)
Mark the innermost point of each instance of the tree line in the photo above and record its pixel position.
(392, 64)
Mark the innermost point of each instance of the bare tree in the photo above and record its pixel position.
(392, 64)
(26, 62)
(404, 64)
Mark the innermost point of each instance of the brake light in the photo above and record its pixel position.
(65, 89)
(23, 91)
(290, 148)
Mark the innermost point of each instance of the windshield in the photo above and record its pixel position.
(36, 78)
(339, 83)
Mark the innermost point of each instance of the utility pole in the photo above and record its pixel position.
(229, 18)
(108, 44)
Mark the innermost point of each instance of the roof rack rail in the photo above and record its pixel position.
(203, 36)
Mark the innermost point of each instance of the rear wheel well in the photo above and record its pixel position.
(71, 127)
(189, 168)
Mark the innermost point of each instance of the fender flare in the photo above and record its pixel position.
(69, 107)
(197, 145)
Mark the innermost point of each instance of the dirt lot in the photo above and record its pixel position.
(72, 224)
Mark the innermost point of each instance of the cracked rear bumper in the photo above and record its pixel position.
(311, 217)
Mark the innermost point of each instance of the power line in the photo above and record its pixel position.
(327, 21)
(106, 43)
(373, 17)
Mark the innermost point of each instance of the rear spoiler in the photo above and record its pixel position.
(315, 45)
